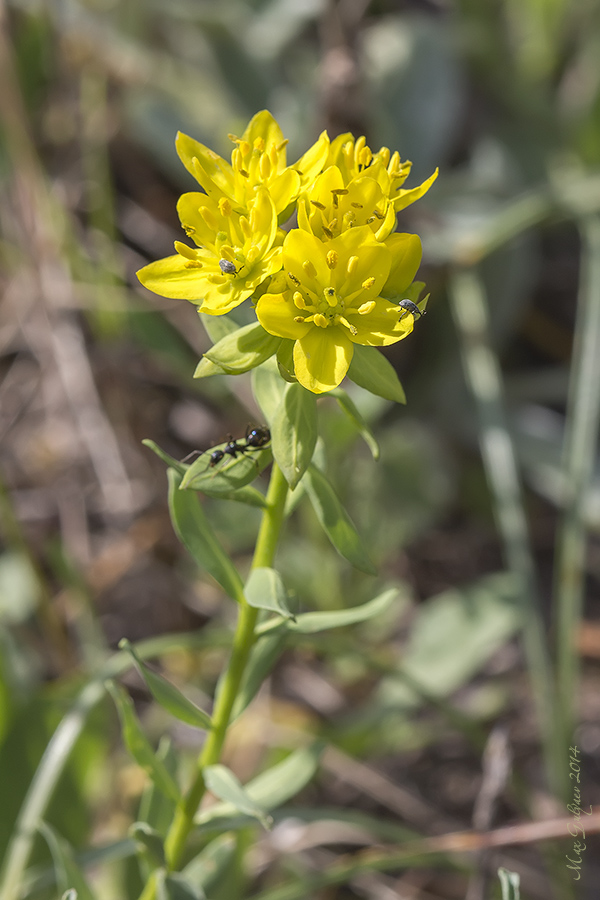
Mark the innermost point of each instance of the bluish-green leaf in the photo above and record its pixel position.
(335, 521)
(149, 842)
(294, 432)
(217, 327)
(263, 657)
(349, 407)
(194, 531)
(313, 622)
(167, 695)
(371, 370)
(226, 476)
(268, 388)
(276, 786)
(243, 349)
(68, 875)
(169, 460)
(264, 589)
(138, 745)
(221, 782)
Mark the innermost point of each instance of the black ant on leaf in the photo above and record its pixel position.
(256, 438)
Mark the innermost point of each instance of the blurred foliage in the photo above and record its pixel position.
(505, 97)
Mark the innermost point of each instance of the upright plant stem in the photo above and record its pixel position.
(243, 641)
(583, 414)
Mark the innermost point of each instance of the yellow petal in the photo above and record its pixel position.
(374, 260)
(276, 313)
(311, 163)
(406, 258)
(214, 173)
(300, 246)
(263, 125)
(322, 358)
(382, 326)
(169, 277)
(405, 197)
(284, 189)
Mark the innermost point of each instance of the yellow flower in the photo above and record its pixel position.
(258, 158)
(354, 157)
(330, 206)
(333, 302)
(235, 253)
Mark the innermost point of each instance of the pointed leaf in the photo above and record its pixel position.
(263, 657)
(276, 786)
(217, 327)
(156, 809)
(268, 388)
(294, 432)
(509, 882)
(138, 745)
(149, 841)
(265, 590)
(246, 494)
(69, 878)
(169, 460)
(313, 622)
(70, 895)
(349, 407)
(194, 532)
(167, 695)
(221, 782)
(174, 886)
(371, 370)
(226, 476)
(243, 349)
(336, 522)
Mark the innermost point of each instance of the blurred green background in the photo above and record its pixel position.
(465, 511)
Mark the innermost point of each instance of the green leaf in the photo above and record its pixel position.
(169, 460)
(206, 368)
(155, 809)
(149, 842)
(268, 388)
(285, 361)
(276, 786)
(70, 895)
(264, 589)
(167, 695)
(194, 532)
(221, 782)
(263, 657)
(294, 432)
(174, 886)
(313, 622)
(69, 878)
(371, 370)
(138, 745)
(335, 521)
(217, 327)
(246, 494)
(226, 476)
(212, 866)
(352, 412)
(243, 349)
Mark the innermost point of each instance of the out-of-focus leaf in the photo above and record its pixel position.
(227, 475)
(263, 657)
(149, 841)
(169, 460)
(276, 786)
(221, 782)
(349, 407)
(68, 875)
(264, 589)
(156, 809)
(18, 588)
(211, 867)
(217, 327)
(138, 745)
(509, 882)
(174, 886)
(194, 531)
(243, 349)
(313, 622)
(335, 521)
(268, 388)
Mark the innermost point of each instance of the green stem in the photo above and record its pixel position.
(243, 641)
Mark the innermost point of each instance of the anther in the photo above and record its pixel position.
(224, 206)
(189, 229)
(331, 297)
(332, 259)
(299, 301)
(318, 205)
(365, 308)
(293, 278)
(192, 264)
(283, 144)
(208, 218)
(357, 205)
(320, 320)
(343, 321)
(368, 282)
(265, 167)
(184, 250)
(352, 264)
(244, 148)
(327, 232)
(309, 268)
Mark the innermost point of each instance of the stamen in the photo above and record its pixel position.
(184, 250)
(227, 252)
(244, 148)
(318, 204)
(234, 138)
(245, 226)
(352, 264)
(343, 321)
(283, 144)
(192, 264)
(327, 232)
(244, 173)
(217, 279)
(320, 320)
(252, 255)
(331, 297)
(357, 205)
(349, 219)
(309, 268)
(365, 308)
(299, 319)
(259, 144)
(340, 191)
(293, 278)
(224, 206)
(368, 282)
(236, 158)
(265, 167)
(208, 217)
(299, 301)
(384, 155)
(332, 259)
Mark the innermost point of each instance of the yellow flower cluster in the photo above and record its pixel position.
(333, 281)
